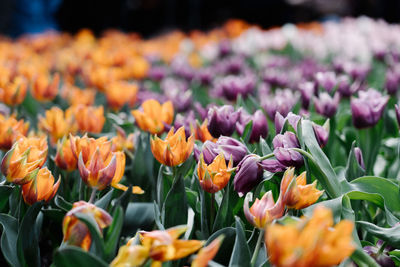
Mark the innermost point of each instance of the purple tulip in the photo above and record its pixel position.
(397, 109)
(367, 109)
(275, 78)
(282, 102)
(177, 91)
(283, 152)
(327, 105)
(222, 120)
(272, 165)
(392, 82)
(259, 127)
(209, 149)
(326, 80)
(205, 76)
(359, 157)
(157, 73)
(292, 119)
(231, 147)
(230, 87)
(248, 174)
(321, 133)
(188, 121)
(307, 90)
(382, 258)
(344, 86)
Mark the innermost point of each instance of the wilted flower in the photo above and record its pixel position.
(13, 93)
(207, 253)
(248, 174)
(320, 243)
(165, 245)
(367, 109)
(10, 130)
(263, 211)
(295, 193)
(119, 93)
(65, 158)
(57, 123)
(153, 116)
(215, 176)
(222, 120)
(40, 187)
(26, 155)
(259, 127)
(43, 89)
(75, 231)
(283, 152)
(174, 150)
(327, 105)
(89, 118)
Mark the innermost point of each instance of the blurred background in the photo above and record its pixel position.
(151, 17)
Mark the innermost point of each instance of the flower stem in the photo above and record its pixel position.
(257, 249)
(270, 155)
(382, 248)
(212, 211)
(93, 195)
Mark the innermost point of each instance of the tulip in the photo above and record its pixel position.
(368, 108)
(215, 176)
(89, 118)
(359, 157)
(119, 93)
(57, 123)
(174, 150)
(26, 155)
(123, 142)
(263, 211)
(188, 121)
(282, 102)
(157, 73)
(322, 133)
(307, 90)
(319, 242)
(154, 115)
(209, 151)
(201, 132)
(222, 120)
(381, 257)
(391, 82)
(272, 165)
(295, 193)
(65, 158)
(326, 80)
(291, 118)
(119, 172)
(344, 87)
(76, 96)
(232, 148)
(326, 105)
(13, 93)
(207, 253)
(10, 130)
(259, 127)
(41, 187)
(75, 231)
(397, 109)
(165, 246)
(248, 174)
(130, 255)
(230, 87)
(44, 90)
(282, 149)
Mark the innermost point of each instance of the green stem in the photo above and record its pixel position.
(382, 248)
(361, 258)
(81, 187)
(212, 211)
(257, 249)
(93, 195)
(270, 155)
(66, 185)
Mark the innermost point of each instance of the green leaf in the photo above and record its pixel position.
(241, 252)
(5, 192)
(62, 203)
(138, 216)
(390, 235)
(97, 237)
(225, 212)
(70, 256)
(9, 239)
(113, 233)
(27, 241)
(265, 149)
(105, 200)
(225, 250)
(247, 132)
(353, 168)
(175, 208)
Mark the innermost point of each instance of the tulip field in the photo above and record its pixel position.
(237, 146)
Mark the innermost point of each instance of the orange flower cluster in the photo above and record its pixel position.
(10, 130)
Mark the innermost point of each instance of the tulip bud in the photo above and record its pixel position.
(292, 119)
(41, 187)
(272, 165)
(391, 82)
(326, 105)
(368, 108)
(359, 157)
(344, 87)
(222, 120)
(282, 144)
(259, 126)
(231, 147)
(307, 90)
(248, 174)
(322, 133)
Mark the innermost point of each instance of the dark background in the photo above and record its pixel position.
(150, 17)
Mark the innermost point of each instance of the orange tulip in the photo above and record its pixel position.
(87, 146)
(130, 256)
(41, 187)
(10, 130)
(89, 118)
(25, 156)
(13, 93)
(123, 142)
(207, 253)
(263, 211)
(119, 93)
(174, 150)
(76, 96)
(310, 242)
(295, 193)
(57, 123)
(65, 158)
(165, 245)
(215, 176)
(201, 132)
(153, 116)
(76, 232)
(44, 90)
(139, 68)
